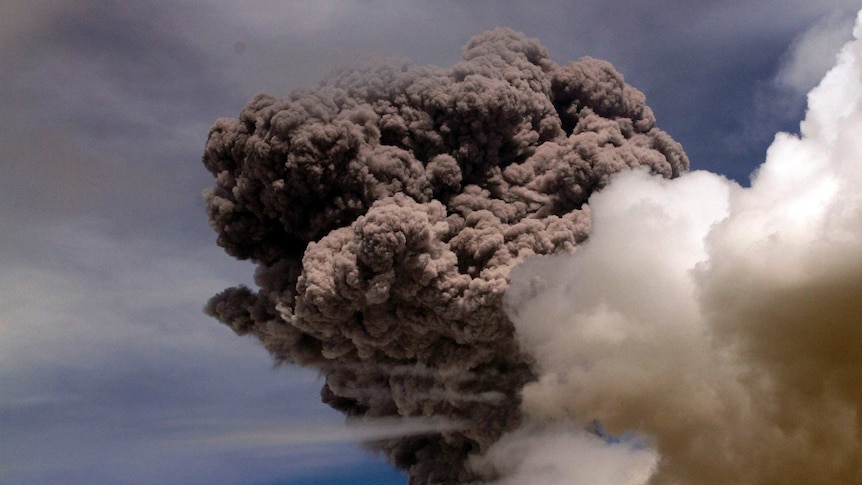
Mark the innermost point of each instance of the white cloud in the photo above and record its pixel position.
(721, 322)
(564, 454)
(813, 53)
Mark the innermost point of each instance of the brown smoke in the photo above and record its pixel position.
(386, 208)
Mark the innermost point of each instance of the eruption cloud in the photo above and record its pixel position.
(715, 330)
(385, 210)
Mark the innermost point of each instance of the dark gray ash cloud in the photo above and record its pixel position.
(386, 208)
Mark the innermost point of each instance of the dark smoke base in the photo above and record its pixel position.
(385, 210)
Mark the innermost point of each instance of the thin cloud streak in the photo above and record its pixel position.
(252, 434)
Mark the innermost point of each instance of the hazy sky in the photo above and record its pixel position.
(109, 370)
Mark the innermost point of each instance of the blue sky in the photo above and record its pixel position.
(109, 370)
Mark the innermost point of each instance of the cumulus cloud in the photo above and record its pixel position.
(385, 209)
(718, 323)
(564, 454)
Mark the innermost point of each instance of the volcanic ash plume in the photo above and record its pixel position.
(720, 327)
(385, 209)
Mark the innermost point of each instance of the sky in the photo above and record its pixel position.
(109, 370)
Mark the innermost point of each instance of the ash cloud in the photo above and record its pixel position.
(721, 325)
(385, 210)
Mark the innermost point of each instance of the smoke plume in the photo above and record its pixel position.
(385, 210)
(715, 331)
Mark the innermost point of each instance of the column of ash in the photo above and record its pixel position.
(385, 209)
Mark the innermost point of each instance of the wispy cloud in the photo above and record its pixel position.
(251, 434)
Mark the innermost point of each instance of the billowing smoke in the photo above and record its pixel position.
(385, 210)
(713, 332)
